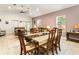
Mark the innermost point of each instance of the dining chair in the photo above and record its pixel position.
(24, 48)
(55, 40)
(34, 30)
(20, 28)
(49, 47)
(57, 37)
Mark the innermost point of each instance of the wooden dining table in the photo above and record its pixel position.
(38, 41)
(41, 39)
(32, 34)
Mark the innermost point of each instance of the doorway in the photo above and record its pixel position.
(61, 23)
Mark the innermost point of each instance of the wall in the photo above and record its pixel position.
(72, 17)
(11, 17)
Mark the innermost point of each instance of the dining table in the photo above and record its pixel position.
(34, 34)
(37, 41)
(41, 38)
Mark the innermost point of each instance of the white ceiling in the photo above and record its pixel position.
(35, 9)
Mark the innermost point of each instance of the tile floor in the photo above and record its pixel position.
(9, 45)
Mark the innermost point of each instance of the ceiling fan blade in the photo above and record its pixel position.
(14, 20)
(22, 11)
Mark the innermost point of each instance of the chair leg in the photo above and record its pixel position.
(24, 50)
(52, 50)
(21, 51)
(47, 52)
(59, 48)
(56, 50)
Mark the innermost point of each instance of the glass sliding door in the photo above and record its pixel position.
(28, 25)
(61, 23)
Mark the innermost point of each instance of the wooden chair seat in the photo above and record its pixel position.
(49, 49)
(29, 48)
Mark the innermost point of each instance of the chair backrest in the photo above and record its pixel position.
(34, 30)
(55, 36)
(21, 39)
(50, 39)
(18, 28)
(60, 31)
(58, 34)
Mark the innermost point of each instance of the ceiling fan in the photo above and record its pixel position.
(22, 10)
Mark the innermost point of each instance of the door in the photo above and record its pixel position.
(28, 25)
(61, 23)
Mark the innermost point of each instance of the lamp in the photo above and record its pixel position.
(48, 27)
(75, 26)
(35, 26)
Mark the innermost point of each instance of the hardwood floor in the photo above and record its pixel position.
(9, 45)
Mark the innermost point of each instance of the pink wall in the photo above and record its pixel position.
(72, 16)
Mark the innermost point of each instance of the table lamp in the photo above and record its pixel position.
(35, 26)
(48, 27)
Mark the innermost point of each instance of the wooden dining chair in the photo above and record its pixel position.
(57, 37)
(24, 48)
(49, 45)
(53, 41)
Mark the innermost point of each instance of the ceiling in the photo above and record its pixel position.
(34, 9)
